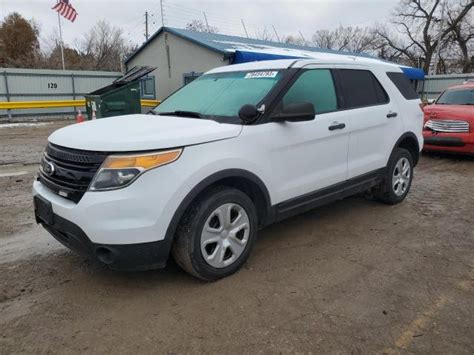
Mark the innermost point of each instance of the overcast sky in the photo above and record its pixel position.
(288, 17)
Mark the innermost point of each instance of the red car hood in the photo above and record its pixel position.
(450, 112)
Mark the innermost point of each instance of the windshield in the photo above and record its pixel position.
(221, 94)
(457, 97)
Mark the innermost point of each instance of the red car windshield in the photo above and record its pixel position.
(457, 97)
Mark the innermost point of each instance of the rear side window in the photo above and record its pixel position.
(403, 85)
(361, 88)
(315, 86)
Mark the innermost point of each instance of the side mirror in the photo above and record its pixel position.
(297, 112)
(248, 113)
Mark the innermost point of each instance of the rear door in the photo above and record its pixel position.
(373, 119)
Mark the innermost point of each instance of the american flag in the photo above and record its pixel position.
(65, 9)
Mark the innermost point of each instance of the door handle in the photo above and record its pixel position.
(337, 126)
(392, 114)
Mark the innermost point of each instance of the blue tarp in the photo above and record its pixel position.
(413, 73)
(248, 56)
(244, 57)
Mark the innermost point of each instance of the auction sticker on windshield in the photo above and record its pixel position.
(261, 74)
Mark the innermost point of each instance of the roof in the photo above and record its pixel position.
(258, 65)
(317, 58)
(225, 44)
(466, 85)
(242, 50)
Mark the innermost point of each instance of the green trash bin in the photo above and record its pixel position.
(122, 97)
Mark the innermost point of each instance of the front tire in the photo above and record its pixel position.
(216, 234)
(398, 178)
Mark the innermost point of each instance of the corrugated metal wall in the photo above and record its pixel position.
(37, 84)
(436, 84)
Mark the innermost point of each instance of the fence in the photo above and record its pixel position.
(28, 85)
(436, 84)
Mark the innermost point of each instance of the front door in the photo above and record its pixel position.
(311, 155)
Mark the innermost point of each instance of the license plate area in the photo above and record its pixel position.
(43, 210)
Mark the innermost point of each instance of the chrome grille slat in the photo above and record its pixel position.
(448, 126)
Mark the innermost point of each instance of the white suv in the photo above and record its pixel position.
(239, 148)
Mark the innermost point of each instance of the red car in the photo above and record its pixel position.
(449, 121)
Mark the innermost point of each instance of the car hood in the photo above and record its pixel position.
(141, 132)
(449, 112)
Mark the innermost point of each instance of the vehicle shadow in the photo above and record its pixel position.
(451, 156)
(285, 232)
(271, 237)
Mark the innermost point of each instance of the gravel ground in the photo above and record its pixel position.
(352, 277)
(21, 147)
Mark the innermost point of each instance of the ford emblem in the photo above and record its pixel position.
(49, 168)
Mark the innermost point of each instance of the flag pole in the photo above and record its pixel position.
(61, 41)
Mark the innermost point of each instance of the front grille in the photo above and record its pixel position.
(449, 126)
(69, 172)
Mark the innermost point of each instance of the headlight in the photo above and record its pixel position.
(118, 171)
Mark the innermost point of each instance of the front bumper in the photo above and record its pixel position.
(139, 213)
(125, 228)
(462, 143)
(142, 256)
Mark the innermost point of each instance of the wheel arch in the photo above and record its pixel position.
(243, 180)
(409, 141)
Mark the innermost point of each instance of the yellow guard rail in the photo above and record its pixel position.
(19, 105)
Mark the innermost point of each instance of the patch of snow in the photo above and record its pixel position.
(26, 124)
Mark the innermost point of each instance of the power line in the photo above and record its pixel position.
(228, 22)
(177, 15)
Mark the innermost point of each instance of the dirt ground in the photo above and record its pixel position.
(352, 277)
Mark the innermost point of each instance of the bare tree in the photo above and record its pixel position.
(417, 22)
(296, 40)
(200, 26)
(103, 47)
(462, 35)
(325, 39)
(393, 46)
(353, 39)
(263, 35)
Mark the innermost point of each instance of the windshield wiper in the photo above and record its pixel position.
(181, 114)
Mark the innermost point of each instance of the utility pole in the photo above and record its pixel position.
(207, 23)
(243, 25)
(276, 34)
(438, 47)
(146, 26)
(61, 44)
(304, 41)
(162, 14)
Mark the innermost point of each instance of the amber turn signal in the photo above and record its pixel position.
(141, 161)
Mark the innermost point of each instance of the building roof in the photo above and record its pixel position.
(241, 49)
(227, 45)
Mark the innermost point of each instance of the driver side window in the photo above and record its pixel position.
(315, 86)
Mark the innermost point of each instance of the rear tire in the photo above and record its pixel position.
(216, 234)
(397, 180)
